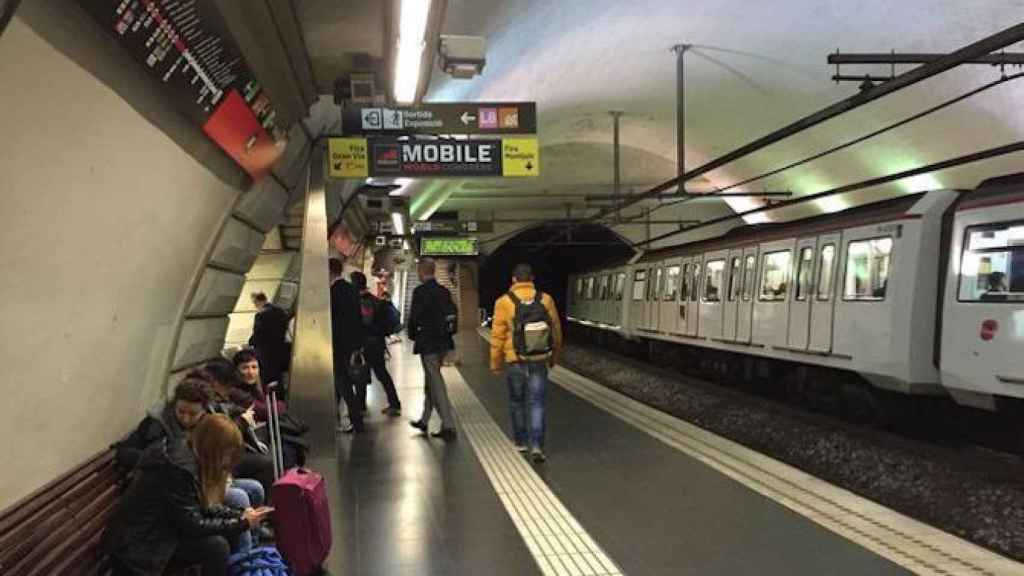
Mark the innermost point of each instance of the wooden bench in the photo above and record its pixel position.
(57, 529)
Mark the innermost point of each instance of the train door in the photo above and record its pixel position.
(712, 295)
(693, 298)
(618, 298)
(604, 312)
(733, 290)
(668, 310)
(824, 301)
(636, 298)
(771, 305)
(654, 309)
(802, 294)
(745, 306)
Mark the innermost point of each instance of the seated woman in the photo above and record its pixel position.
(248, 367)
(172, 515)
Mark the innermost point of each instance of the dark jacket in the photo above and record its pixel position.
(347, 331)
(375, 332)
(431, 302)
(162, 507)
(268, 338)
(159, 423)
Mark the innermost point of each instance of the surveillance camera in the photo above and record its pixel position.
(463, 56)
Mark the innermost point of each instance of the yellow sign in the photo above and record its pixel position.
(349, 158)
(520, 157)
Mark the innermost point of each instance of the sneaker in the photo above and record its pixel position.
(537, 455)
(521, 448)
(421, 426)
(350, 429)
(392, 411)
(446, 434)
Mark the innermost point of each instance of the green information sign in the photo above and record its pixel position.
(448, 246)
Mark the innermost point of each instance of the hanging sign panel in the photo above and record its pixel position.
(388, 157)
(442, 118)
(448, 246)
(187, 47)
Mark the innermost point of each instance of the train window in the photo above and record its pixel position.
(620, 285)
(867, 269)
(749, 273)
(804, 274)
(588, 290)
(602, 291)
(992, 267)
(713, 280)
(826, 269)
(775, 275)
(639, 284)
(658, 285)
(695, 282)
(671, 283)
(735, 279)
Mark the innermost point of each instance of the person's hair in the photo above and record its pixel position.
(222, 371)
(523, 272)
(215, 437)
(335, 266)
(358, 280)
(427, 266)
(241, 398)
(191, 390)
(244, 355)
(259, 296)
(995, 279)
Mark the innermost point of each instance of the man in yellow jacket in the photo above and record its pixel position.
(526, 334)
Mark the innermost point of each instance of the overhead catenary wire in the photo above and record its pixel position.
(935, 167)
(838, 148)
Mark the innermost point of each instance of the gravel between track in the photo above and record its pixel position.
(975, 494)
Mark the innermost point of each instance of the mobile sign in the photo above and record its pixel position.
(442, 118)
(388, 157)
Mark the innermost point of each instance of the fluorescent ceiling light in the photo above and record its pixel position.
(401, 183)
(411, 30)
(399, 223)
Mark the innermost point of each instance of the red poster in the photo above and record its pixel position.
(234, 128)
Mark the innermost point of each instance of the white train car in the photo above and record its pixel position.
(982, 317)
(854, 291)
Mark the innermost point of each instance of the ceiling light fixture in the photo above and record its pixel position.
(399, 222)
(411, 31)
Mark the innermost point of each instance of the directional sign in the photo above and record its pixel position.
(446, 246)
(348, 158)
(389, 157)
(520, 157)
(442, 118)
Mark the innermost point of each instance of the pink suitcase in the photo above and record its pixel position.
(302, 520)
(302, 517)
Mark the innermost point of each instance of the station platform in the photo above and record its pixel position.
(611, 499)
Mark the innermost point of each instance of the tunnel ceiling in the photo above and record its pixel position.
(753, 68)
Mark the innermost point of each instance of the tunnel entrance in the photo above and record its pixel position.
(553, 255)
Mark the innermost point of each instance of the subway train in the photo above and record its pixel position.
(921, 295)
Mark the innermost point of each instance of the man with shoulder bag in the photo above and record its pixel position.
(349, 338)
(433, 321)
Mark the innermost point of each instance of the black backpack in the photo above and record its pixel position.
(532, 333)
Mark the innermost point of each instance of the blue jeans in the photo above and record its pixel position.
(527, 383)
(241, 494)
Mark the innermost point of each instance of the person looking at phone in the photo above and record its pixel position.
(173, 514)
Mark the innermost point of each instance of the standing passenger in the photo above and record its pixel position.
(268, 337)
(373, 319)
(348, 336)
(526, 335)
(431, 325)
